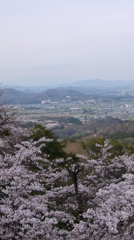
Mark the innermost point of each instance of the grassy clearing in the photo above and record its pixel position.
(76, 148)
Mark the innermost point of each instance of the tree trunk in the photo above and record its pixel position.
(75, 184)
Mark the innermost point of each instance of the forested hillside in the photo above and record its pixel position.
(13, 96)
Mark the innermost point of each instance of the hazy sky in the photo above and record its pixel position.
(66, 40)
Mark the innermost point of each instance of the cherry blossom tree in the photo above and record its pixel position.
(38, 199)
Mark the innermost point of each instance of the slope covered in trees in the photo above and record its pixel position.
(47, 194)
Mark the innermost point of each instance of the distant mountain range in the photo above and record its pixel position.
(80, 90)
(99, 83)
(104, 83)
